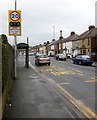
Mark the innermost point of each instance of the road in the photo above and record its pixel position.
(77, 82)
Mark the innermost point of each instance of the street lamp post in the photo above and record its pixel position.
(61, 41)
(53, 32)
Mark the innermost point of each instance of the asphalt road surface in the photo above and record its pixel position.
(77, 82)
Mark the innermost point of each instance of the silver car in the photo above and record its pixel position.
(42, 59)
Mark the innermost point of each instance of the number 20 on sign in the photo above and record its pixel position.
(14, 22)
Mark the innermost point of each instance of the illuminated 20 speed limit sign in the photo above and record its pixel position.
(14, 22)
(14, 15)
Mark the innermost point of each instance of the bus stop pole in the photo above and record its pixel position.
(27, 53)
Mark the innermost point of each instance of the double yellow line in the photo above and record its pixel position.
(72, 99)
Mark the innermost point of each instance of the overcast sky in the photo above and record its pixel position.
(39, 17)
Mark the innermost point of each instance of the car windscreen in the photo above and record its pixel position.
(85, 56)
(92, 54)
(61, 55)
(43, 56)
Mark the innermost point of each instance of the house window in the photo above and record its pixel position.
(84, 51)
(77, 43)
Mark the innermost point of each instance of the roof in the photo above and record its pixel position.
(22, 46)
(52, 42)
(71, 38)
(88, 33)
(59, 40)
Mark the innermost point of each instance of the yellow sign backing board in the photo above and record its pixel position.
(14, 22)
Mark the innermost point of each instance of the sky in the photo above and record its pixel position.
(42, 20)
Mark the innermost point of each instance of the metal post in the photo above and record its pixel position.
(61, 41)
(15, 39)
(53, 32)
(27, 54)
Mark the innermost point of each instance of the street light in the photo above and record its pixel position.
(61, 41)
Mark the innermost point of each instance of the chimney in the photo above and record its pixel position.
(91, 27)
(61, 34)
(48, 42)
(53, 39)
(72, 33)
(44, 43)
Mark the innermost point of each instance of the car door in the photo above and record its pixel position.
(77, 59)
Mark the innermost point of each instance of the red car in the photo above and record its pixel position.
(93, 56)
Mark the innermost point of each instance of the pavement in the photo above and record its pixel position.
(33, 97)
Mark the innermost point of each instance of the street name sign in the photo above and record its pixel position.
(14, 22)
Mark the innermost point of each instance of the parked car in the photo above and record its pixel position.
(69, 55)
(60, 57)
(42, 59)
(31, 54)
(83, 59)
(37, 54)
(93, 56)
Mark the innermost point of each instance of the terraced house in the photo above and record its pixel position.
(69, 44)
(72, 45)
(87, 41)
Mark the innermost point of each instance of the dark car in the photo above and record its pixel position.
(93, 56)
(42, 59)
(60, 57)
(83, 59)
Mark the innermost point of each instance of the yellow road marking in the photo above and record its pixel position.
(81, 74)
(86, 108)
(91, 81)
(62, 73)
(47, 66)
(59, 73)
(71, 72)
(81, 110)
(53, 73)
(93, 78)
(48, 69)
(63, 83)
(59, 68)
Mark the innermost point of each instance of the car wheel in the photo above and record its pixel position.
(65, 59)
(73, 62)
(49, 64)
(80, 63)
(90, 64)
(38, 64)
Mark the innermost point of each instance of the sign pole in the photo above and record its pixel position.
(15, 51)
(14, 30)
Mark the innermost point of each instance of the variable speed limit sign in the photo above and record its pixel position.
(14, 15)
(14, 22)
